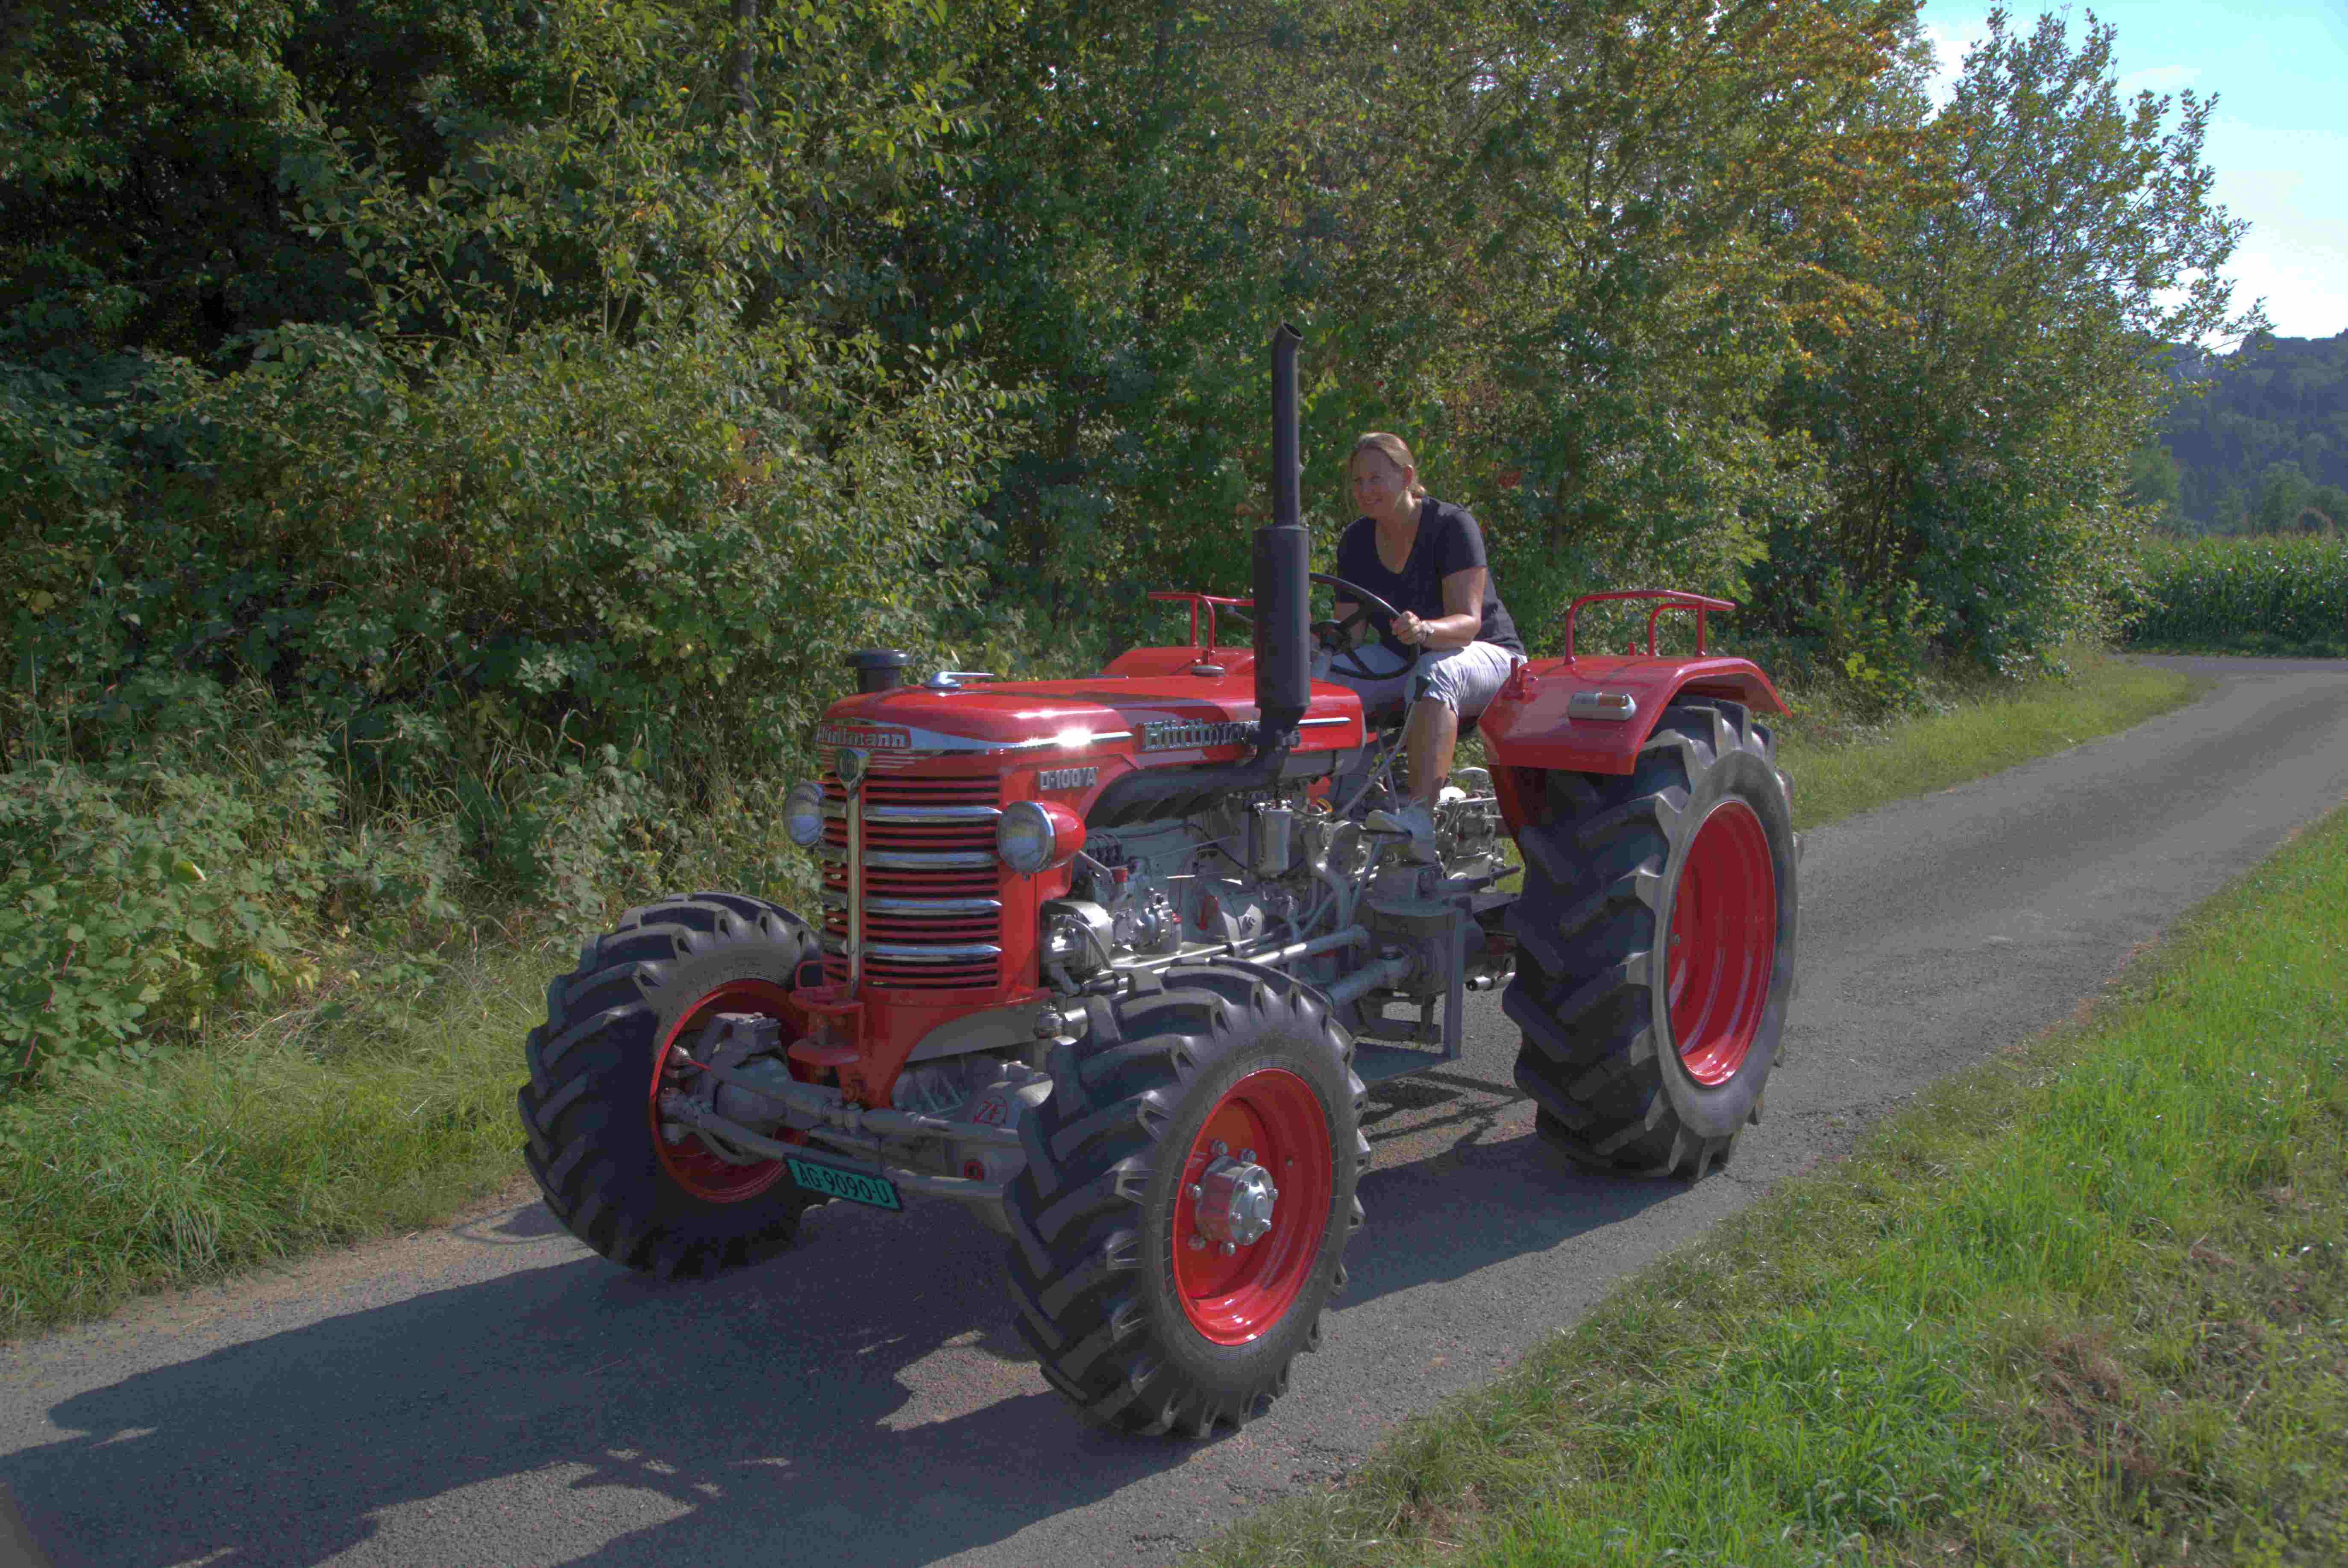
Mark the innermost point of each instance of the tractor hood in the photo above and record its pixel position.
(1168, 717)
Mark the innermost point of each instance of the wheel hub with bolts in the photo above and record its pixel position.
(1252, 1206)
(1231, 1203)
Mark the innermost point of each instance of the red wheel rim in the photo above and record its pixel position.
(1724, 942)
(1232, 1300)
(690, 1164)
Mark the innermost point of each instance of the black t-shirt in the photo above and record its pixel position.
(1448, 540)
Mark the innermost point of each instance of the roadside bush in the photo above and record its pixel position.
(522, 611)
(2238, 594)
(664, 546)
(134, 901)
(137, 903)
(567, 839)
(188, 855)
(1876, 645)
(494, 563)
(568, 502)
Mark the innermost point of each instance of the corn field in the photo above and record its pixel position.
(2279, 595)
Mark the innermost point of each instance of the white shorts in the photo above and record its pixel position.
(1464, 679)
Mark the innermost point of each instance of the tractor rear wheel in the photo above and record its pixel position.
(1656, 933)
(638, 997)
(1188, 1192)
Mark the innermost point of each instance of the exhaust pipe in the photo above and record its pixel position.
(1284, 633)
(1284, 556)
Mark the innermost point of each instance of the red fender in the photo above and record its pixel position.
(1531, 725)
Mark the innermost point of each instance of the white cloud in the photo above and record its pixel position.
(1949, 44)
(2306, 294)
(2288, 185)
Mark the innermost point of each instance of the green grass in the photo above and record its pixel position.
(2088, 1303)
(2283, 594)
(276, 1138)
(279, 1139)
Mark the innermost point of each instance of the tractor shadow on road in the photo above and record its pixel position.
(861, 1402)
(1475, 1187)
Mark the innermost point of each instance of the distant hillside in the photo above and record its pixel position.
(2279, 401)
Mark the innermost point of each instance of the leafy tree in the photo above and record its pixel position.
(1978, 433)
(1566, 297)
(146, 160)
(561, 465)
(1649, 185)
(2327, 509)
(1115, 248)
(2232, 513)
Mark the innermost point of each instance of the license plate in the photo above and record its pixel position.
(877, 1192)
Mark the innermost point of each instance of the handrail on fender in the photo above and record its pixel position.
(1673, 599)
(1210, 601)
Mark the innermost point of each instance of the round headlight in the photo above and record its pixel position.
(1035, 835)
(803, 814)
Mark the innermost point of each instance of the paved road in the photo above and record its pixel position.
(494, 1395)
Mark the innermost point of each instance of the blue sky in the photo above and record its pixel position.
(2279, 140)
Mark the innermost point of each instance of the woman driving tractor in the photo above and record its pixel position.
(1450, 645)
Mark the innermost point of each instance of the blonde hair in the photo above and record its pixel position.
(1395, 450)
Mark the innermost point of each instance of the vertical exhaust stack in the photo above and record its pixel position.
(1283, 557)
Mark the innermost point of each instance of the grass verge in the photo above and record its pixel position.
(261, 1145)
(267, 1141)
(2087, 1304)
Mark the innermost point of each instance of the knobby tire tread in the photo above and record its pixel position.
(1586, 928)
(1073, 1267)
(587, 1139)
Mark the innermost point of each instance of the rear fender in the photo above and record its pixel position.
(1530, 725)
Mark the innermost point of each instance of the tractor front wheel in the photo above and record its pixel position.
(618, 1030)
(1188, 1192)
(1656, 929)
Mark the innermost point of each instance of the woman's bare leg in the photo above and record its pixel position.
(1432, 736)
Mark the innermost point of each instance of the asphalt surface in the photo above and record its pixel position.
(492, 1393)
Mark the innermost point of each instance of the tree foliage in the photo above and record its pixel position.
(2274, 401)
(151, 158)
(1979, 431)
(552, 459)
(1667, 291)
(1566, 249)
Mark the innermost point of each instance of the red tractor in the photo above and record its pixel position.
(1109, 961)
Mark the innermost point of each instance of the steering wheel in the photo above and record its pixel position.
(1337, 636)
(1337, 632)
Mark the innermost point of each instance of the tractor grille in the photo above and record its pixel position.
(932, 883)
